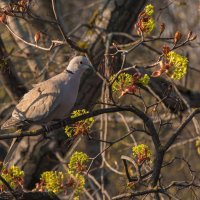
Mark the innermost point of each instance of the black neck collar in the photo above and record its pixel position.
(69, 71)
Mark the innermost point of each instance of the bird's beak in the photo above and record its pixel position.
(90, 66)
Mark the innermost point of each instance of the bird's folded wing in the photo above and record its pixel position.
(38, 103)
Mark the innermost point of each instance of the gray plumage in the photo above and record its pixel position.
(50, 100)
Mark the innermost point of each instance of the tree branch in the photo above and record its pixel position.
(180, 129)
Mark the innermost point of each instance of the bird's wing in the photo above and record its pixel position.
(38, 103)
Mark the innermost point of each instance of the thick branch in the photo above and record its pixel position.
(74, 120)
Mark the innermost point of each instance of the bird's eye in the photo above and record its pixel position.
(81, 62)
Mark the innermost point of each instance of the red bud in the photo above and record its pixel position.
(177, 37)
(162, 28)
(156, 73)
(165, 49)
(37, 37)
(3, 18)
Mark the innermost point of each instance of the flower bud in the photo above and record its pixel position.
(189, 35)
(3, 18)
(37, 37)
(165, 49)
(194, 37)
(162, 28)
(156, 73)
(177, 37)
(129, 90)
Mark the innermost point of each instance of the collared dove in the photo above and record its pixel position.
(48, 101)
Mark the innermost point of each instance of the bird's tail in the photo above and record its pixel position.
(11, 150)
(10, 123)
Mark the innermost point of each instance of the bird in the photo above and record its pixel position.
(48, 101)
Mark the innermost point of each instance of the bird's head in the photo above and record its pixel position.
(79, 64)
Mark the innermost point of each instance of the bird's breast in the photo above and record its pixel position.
(68, 96)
